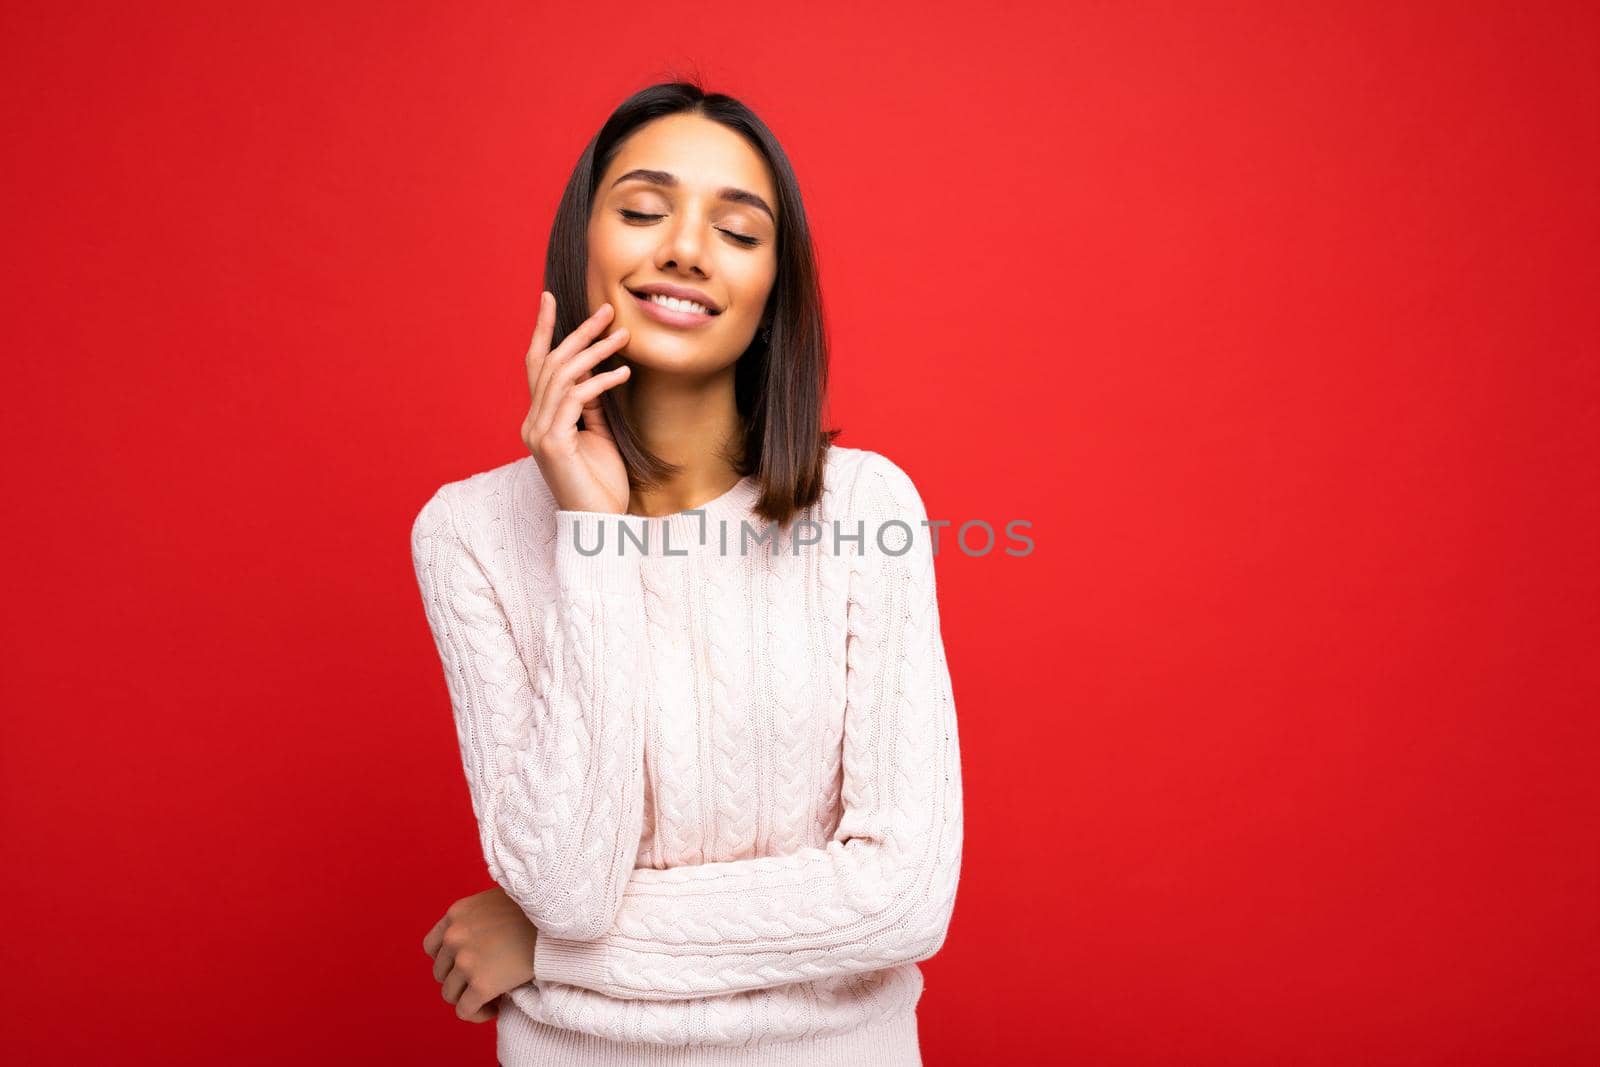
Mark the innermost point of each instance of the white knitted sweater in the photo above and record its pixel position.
(725, 786)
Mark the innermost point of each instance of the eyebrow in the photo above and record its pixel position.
(663, 178)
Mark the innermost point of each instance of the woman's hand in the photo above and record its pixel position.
(583, 468)
(483, 947)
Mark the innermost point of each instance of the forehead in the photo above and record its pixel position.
(704, 155)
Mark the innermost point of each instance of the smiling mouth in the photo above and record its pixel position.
(649, 298)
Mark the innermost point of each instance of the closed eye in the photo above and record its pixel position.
(640, 216)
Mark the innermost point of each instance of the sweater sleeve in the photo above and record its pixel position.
(551, 740)
(883, 889)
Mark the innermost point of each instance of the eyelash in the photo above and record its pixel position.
(744, 239)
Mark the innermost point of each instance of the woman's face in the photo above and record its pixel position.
(680, 206)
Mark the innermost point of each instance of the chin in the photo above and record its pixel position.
(674, 355)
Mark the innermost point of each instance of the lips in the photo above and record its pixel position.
(667, 316)
(678, 292)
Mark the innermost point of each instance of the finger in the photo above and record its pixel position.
(580, 366)
(454, 984)
(487, 1012)
(435, 938)
(539, 348)
(580, 336)
(594, 412)
(544, 325)
(443, 963)
(561, 383)
(584, 398)
(574, 342)
(470, 1003)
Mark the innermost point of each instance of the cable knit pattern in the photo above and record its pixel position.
(726, 787)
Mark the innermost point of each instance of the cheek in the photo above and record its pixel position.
(595, 278)
(608, 265)
(614, 257)
(611, 246)
(752, 289)
(602, 252)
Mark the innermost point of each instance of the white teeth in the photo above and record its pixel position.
(678, 305)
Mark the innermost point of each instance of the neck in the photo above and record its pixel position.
(690, 422)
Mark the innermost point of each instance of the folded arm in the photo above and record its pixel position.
(551, 740)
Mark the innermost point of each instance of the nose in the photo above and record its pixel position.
(684, 246)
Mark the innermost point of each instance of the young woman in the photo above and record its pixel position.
(714, 765)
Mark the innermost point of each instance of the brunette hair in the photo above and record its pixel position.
(781, 380)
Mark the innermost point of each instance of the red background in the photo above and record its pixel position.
(1278, 322)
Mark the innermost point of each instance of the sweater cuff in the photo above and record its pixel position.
(579, 963)
(614, 568)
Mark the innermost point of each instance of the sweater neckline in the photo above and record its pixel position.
(735, 501)
(693, 529)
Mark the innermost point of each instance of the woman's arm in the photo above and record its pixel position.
(552, 745)
(883, 890)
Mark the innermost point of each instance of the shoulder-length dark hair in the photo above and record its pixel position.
(781, 380)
